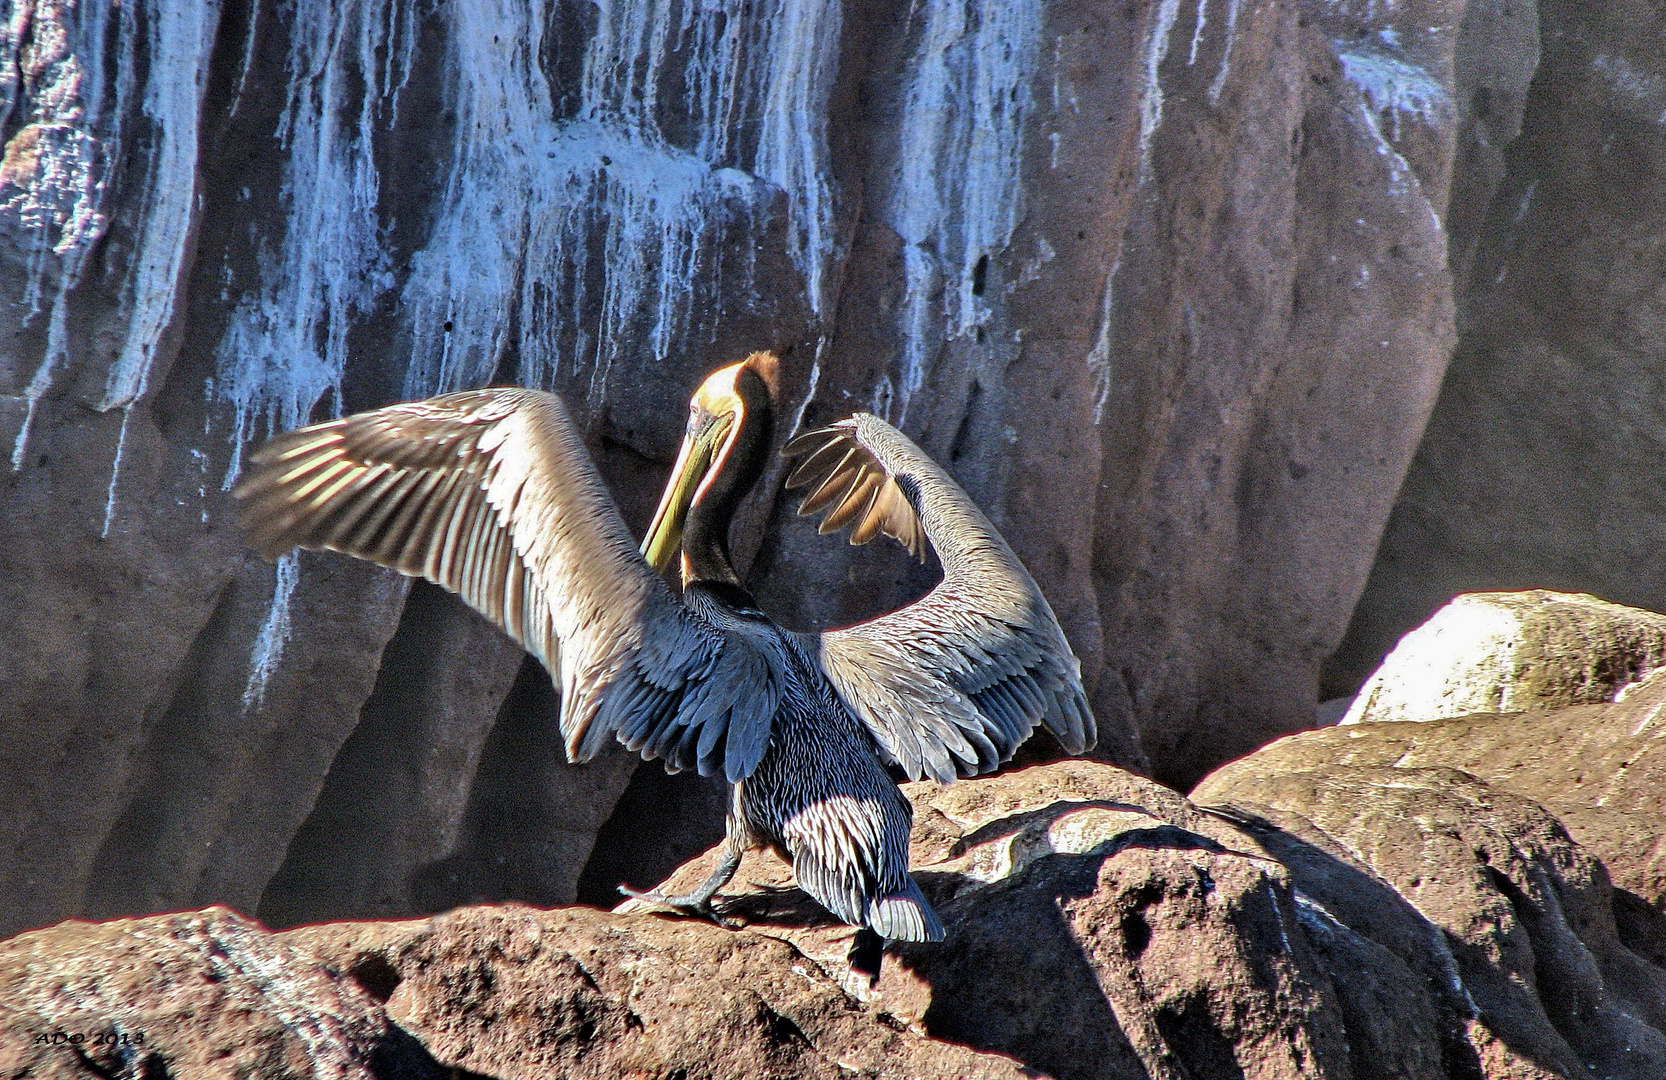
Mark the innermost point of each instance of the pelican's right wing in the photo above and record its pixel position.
(492, 495)
(954, 682)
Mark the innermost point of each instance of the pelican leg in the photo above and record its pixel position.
(698, 902)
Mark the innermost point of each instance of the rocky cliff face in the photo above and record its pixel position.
(1169, 287)
(1537, 468)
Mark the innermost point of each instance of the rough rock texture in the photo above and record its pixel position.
(1278, 321)
(287, 212)
(1342, 922)
(1504, 923)
(1505, 652)
(1599, 768)
(1170, 940)
(1528, 476)
(1332, 921)
(516, 993)
(427, 727)
(196, 994)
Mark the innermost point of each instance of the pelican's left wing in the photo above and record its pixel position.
(954, 682)
(492, 495)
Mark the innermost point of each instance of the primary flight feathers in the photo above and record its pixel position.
(492, 495)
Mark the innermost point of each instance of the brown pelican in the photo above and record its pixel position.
(490, 493)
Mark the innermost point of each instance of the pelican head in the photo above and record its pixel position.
(724, 449)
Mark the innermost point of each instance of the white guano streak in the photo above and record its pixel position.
(181, 39)
(583, 230)
(181, 42)
(273, 633)
(56, 183)
(1219, 84)
(56, 169)
(601, 220)
(1151, 97)
(957, 196)
(1389, 83)
(809, 390)
(792, 146)
(588, 227)
(1197, 30)
(286, 345)
(1099, 357)
(1392, 84)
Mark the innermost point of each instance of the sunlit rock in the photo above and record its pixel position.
(1506, 652)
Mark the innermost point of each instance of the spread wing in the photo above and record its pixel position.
(491, 494)
(954, 682)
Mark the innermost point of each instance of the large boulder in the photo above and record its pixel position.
(1601, 769)
(1278, 321)
(1502, 921)
(516, 993)
(1506, 652)
(1102, 926)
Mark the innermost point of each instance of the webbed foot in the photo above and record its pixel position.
(688, 904)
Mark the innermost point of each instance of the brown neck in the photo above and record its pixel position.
(706, 533)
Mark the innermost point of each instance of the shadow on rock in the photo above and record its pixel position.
(1113, 933)
(1507, 924)
(1016, 980)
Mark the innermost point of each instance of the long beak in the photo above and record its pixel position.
(694, 460)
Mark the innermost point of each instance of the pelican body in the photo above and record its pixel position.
(490, 493)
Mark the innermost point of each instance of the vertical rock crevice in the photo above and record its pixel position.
(531, 818)
(1522, 479)
(395, 795)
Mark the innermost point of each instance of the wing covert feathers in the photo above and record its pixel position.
(953, 683)
(492, 495)
(853, 487)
